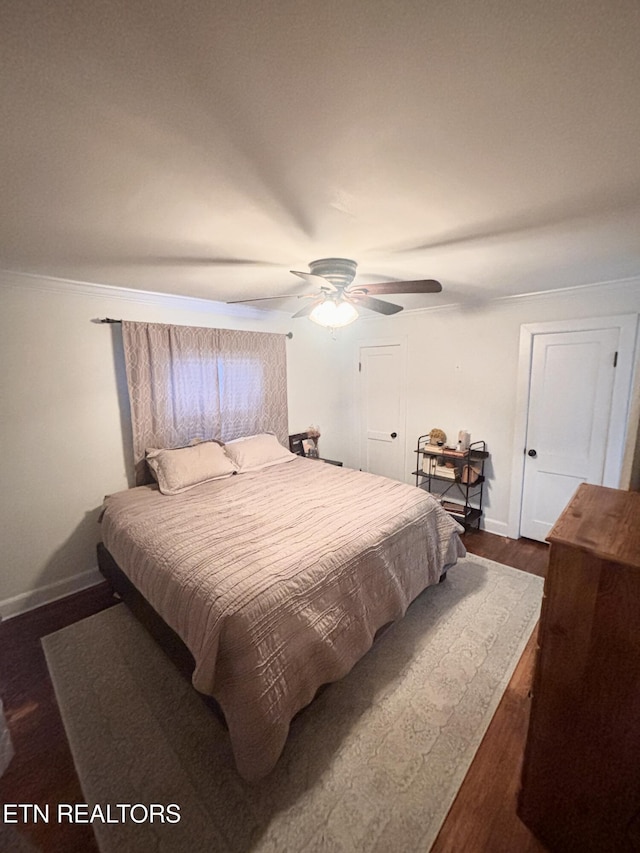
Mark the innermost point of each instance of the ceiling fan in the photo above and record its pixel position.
(335, 301)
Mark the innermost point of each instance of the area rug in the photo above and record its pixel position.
(373, 764)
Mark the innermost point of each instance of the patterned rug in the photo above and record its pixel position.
(372, 765)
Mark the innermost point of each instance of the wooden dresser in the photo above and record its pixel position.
(581, 773)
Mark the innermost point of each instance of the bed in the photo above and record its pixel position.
(278, 580)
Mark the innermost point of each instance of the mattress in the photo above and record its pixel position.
(277, 581)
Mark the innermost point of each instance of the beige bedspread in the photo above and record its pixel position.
(277, 581)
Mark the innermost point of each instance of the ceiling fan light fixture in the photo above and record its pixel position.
(333, 315)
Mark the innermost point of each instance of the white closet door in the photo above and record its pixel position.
(382, 406)
(572, 378)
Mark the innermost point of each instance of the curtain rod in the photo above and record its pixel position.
(111, 320)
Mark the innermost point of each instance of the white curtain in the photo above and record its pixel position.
(187, 383)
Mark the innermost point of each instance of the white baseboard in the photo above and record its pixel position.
(46, 594)
(498, 527)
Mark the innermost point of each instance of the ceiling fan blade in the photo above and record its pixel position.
(378, 305)
(317, 280)
(266, 298)
(427, 285)
(304, 312)
(206, 260)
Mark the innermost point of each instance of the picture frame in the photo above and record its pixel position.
(309, 447)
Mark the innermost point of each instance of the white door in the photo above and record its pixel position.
(572, 380)
(382, 407)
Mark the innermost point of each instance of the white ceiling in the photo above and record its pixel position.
(206, 148)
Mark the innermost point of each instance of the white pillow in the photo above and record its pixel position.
(185, 467)
(257, 451)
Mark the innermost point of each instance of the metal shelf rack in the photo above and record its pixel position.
(462, 500)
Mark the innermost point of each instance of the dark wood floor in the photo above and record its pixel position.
(482, 819)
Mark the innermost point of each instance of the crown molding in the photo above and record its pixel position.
(51, 284)
(532, 296)
(630, 281)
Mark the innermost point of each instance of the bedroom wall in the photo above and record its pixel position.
(462, 368)
(64, 426)
(318, 394)
(64, 412)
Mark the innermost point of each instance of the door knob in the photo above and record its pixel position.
(394, 435)
(533, 452)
